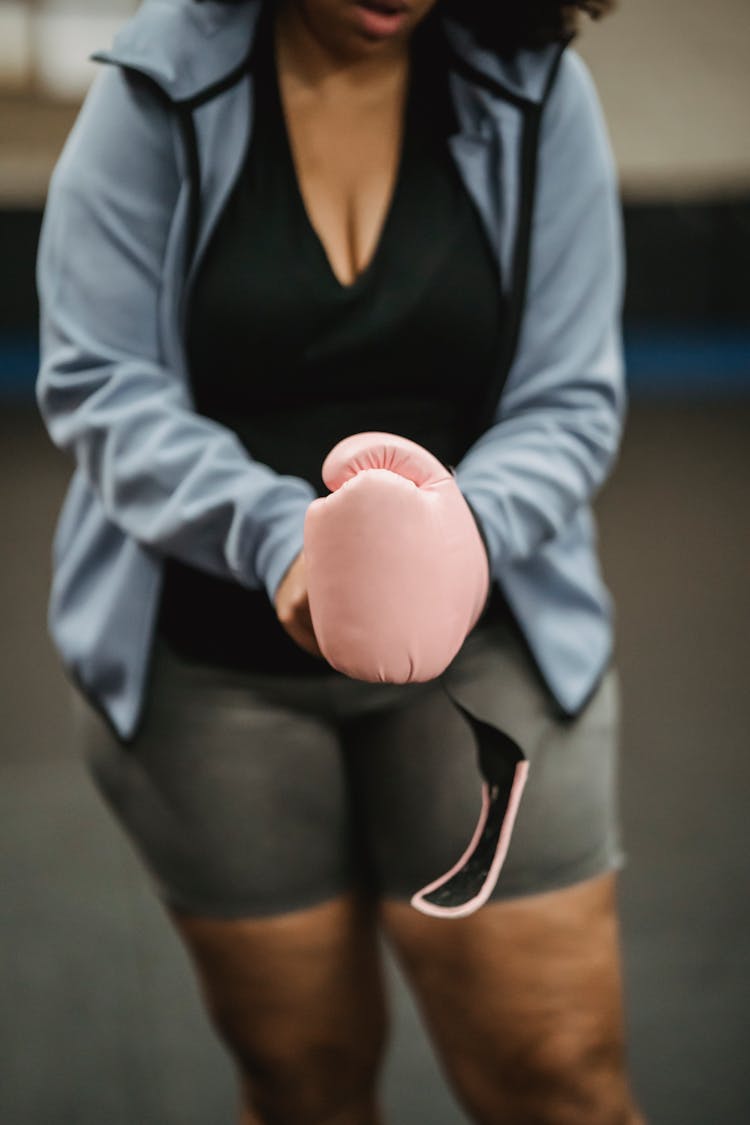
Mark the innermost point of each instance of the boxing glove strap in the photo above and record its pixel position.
(470, 882)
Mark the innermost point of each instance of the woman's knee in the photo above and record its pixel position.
(308, 1069)
(565, 1080)
(315, 1083)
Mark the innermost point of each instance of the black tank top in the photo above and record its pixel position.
(292, 360)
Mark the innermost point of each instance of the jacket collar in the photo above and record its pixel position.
(187, 48)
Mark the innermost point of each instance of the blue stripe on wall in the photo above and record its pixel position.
(678, 362)
(19, 361)
(685, 361)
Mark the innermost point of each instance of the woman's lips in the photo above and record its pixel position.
(379, 18)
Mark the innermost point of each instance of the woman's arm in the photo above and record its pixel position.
(559, 421)
(172, 479)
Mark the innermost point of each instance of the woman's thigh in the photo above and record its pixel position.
(234, 795)
(523, 1001)
(299, 1001)
(417, 785)
(523, 997)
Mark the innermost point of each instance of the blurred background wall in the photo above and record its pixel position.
(675, 82)
(99, 1016)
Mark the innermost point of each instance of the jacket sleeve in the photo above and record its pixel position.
(558, 422)
(172, 479)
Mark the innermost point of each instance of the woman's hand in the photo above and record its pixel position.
(293, 608)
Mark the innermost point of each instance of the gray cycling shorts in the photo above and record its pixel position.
(252, 795)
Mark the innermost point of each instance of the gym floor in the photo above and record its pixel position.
(99, 1015)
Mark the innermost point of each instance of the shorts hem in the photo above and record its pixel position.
(590, 868)
(600, 864)
(238, 912)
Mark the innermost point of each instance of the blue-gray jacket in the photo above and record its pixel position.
(133, 201)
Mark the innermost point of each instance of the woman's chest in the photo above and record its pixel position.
(344, 155)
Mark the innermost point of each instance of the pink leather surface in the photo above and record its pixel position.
(396, 570)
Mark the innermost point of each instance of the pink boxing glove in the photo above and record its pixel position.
(397, 576)
(397, 573)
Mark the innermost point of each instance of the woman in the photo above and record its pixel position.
(278, 222)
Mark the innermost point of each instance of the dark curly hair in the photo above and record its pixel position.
(505, 27)
(521, 23)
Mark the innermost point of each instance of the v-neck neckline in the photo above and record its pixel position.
(361, 279)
